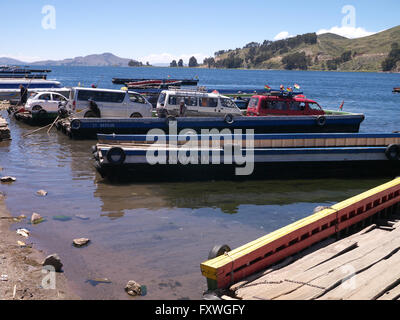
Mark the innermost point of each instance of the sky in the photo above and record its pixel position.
(159, 31)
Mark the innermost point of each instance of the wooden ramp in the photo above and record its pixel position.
(304, 261)
(363, 266)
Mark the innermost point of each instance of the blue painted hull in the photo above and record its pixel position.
(90, 127)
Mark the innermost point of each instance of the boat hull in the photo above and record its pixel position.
(88, 128)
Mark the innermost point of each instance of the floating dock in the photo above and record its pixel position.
(153, 158)
(32, 118)
(305, 260)
(88, 128)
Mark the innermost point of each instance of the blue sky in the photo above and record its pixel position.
(160, 30)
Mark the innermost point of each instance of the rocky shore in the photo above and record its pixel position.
(22, 276)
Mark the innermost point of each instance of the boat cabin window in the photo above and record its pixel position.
(314, 106)
(253, 103)
(227, 103)
(209, 102)
(137, 98)
(278, 105)
(297, 106)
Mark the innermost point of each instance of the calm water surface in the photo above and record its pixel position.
(158, 234)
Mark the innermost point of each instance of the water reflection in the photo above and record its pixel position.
(227, 196)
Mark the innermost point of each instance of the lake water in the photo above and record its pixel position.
(158, 234)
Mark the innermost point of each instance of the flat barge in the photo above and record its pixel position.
(267, 156)
(88, 128)
(349, 251)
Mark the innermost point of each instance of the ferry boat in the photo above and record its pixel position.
(10, 88)
(19, 72)
(396, 90)
(154, 83)
(283, 156)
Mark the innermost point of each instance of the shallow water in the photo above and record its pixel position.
(158, 234)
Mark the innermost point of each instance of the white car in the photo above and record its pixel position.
(44, 102)
(108, 103)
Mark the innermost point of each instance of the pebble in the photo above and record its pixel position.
(36, 218)
(80, 242)
(23, 232)
(7, 179)
(41, 193)
(54, 261)
(133, 288)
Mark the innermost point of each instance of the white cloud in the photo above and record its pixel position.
(282, 35)
(168, 57)
(348, 32)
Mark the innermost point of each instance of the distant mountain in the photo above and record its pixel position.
(100, 60)
(11, 61)
(315, 52)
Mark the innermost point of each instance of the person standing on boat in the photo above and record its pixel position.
(24, 95)
(182, 109)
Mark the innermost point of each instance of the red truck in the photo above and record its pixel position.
(280, 104)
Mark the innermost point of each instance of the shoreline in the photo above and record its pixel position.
(22, 267)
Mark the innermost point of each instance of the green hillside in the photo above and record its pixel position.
(312, 52)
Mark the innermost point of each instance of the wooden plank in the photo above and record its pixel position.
(336, 276)
(304, 271)
(392, 294)
(370, 284)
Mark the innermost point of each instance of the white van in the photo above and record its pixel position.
(197, 103)
(108, 103)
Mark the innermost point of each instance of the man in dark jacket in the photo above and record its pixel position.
(24, 95)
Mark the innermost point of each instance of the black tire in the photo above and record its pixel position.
(218, 250)
(116, 155)
(37, 108)
(136, 115)
(321, 121)
(75, 124)
(90, 114)
(393, 152)
(228, 118)
(42, 112)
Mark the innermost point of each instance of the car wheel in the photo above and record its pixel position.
(36, 108)
(136, 115)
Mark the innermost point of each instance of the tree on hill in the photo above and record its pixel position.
(193, 62)
(180, 63)
(394, 56)
(297, 60)
(133, 63)
(173, 64)
(210, 62)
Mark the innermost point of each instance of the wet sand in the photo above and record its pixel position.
(21, 267)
